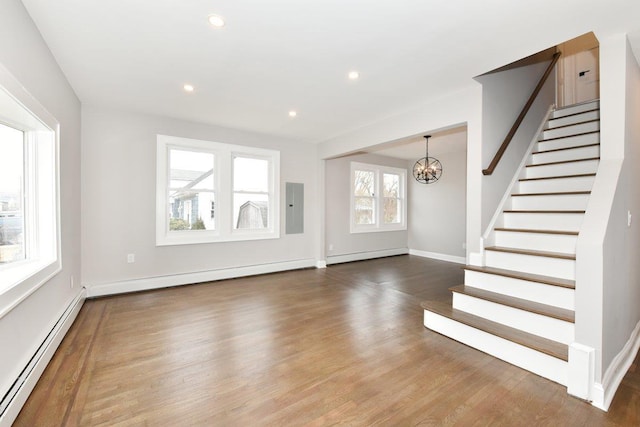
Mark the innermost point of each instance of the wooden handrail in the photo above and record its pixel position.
(523, 113)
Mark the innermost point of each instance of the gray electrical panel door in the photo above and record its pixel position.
(295, 208)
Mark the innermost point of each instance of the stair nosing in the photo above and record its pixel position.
(517, 303)
(588, 159)
(525, 339)
(571, 124)
(574, 147)
(554, 193)
(528, 277)
(580, 175)
(531, 230)
(573, 114)
(569, 136)
(529, 252)
(529, 211)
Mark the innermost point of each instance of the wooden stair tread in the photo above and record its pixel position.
(530, 230)
(588, 159)
(554, 193)
(568, 136)
(544, 211)
(584, 122)
(558, 255)
(530, 277)
(580, 175)
(573, 147)
(519, 303)
(543, 345)
(573, 114)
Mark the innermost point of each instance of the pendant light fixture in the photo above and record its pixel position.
(427, 170)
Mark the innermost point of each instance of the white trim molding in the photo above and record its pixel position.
(361, 256)
(438, 256)
(12, 403)
(581, 371)
(136, 285)
(604, 392)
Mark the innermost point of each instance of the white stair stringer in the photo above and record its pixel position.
(524, 289)
(524, 357)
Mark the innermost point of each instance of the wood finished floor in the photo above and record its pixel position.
(344, 345)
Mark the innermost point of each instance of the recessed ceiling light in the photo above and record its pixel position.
(353, 75)
(216, 21)
(292, 113)
(188, 88)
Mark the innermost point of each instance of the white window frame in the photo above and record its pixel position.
(223, 189)
(21, 111)
(378, 197)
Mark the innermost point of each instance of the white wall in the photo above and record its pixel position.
(504, 94)
(337, 210)
(26, 56)
(437, 212)
(118, 201)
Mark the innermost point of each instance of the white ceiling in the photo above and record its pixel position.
(413, 147)
(278, 55)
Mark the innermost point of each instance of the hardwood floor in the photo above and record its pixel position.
(344, 345)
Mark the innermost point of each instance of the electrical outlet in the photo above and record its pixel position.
(71, 283)
(464, 245)
(628, 218)
(330, 246)
(131, 258)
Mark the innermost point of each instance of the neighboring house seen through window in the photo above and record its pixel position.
(214, 192)
(378, 198)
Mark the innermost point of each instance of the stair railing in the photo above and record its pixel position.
(507, 140)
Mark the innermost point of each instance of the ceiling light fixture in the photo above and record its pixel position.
(354, 75)
(216, 21)
(188, 88)
(427, 170)
(292, 113)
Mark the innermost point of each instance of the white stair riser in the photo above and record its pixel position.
(579, 183)
(576, 118)
(543, 221)
(574, 168)
(565, 155)
(537, 241)
(571, 130)
(533, 291)
(576, 109)
(524, 357)
(551, 202)
(554, 267)
(570, 141)
(536, 324)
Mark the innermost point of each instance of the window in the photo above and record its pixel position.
(377, 198)
(29, 239)
(214, 192)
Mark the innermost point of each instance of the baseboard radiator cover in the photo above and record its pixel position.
(14, 399)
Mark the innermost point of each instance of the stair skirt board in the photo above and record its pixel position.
(532, 323)
(524, 289)
(559, 202)
(584, 116)
(536, 241)
(534, 361)
(557, 184)
(577, 108)
(587, 138)
(554, 267)
(572, 168)
(579, 152)
(571, 130)
(543, 221)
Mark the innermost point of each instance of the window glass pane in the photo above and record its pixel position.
(250, 211)
(391, 210)
(251, 175)
(191, 190)
(364, 210)
(391, 185)
(12, 229)
(364, 183)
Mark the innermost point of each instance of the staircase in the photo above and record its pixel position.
(519, 306)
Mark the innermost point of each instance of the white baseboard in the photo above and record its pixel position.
(18, 394)
(321, 264)
(603, 392)
(441, 257)
(135, 285)
(360, 256)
